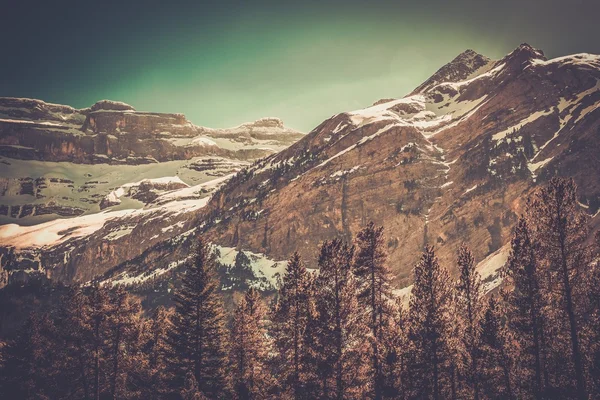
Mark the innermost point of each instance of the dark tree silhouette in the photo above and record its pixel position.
(524, 309)
(374, 293)
(429, 328)
(198, 337)
(249, 348)
(560, 229)
(289, 320)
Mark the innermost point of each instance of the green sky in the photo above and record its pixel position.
(224, 63)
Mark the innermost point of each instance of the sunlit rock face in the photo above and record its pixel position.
(98, 186)
(448, 163)
(114, 132)
(451, 162)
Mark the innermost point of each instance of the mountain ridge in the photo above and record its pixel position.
(445, 164)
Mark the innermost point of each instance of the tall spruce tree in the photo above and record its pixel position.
(374, 293)
(124, 357)
(155, 347)
(495, 366)
(249, 349)
(289, 321)
(429, 328)
(76, 334)
(393, 350)
(469, 307)
(560, 229)
(524, 310)
(27, 368)
(190, 390)
(198, 337)
(592, 318)
(340, 328)
(99, 309)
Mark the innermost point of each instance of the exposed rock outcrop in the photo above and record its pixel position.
(114, 132)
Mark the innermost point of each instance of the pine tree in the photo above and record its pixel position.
(317, 373)
(198, 336)
(429, 328)
(457, 382)
(374, 293)
(592, 319)
(249, 348)
(340, 330)
(190, 390)
(124, 357)
(469, 306)
(393, 353)
(76, 334)
(27, 370)
(98, 310)
(561, 230)
(289, 321)
(156, 349)
(496, 364)
(524, 310)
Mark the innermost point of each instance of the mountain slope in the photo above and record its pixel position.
(84, 190)
(450, 162)
(61, 162)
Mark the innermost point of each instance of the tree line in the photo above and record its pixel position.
(339, 333)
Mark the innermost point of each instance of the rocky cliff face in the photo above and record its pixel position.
(450, 162)
(57, 161)
(115, 133)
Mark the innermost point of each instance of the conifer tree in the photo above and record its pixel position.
(98, 333)
(524, 310)
(394, 348)
(496, 363)
(340, 329)
(560, 229)
(592, 319)
(469, 306)
(317, 374)
(289, 321)
(124, 357)
(76, 337)
(27, 370)
(458, 384)
(374, 293)
(98, 310)
(249, 348)
(429, 328)
(190, 390)
(198, 337)
(156, 349)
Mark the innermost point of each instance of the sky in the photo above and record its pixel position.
(222, 63)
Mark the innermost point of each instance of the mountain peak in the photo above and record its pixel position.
(111, 105)
(468, 54)
(523, 54)
(266, 122)
(460, 68)
(525, 48)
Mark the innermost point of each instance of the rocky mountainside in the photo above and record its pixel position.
(450, 162)
(61, 162)
(68, 173)
(115, 133)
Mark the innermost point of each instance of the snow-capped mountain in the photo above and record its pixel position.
(74, 182)
(450, 162)
(115, 133)
(61, 162)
